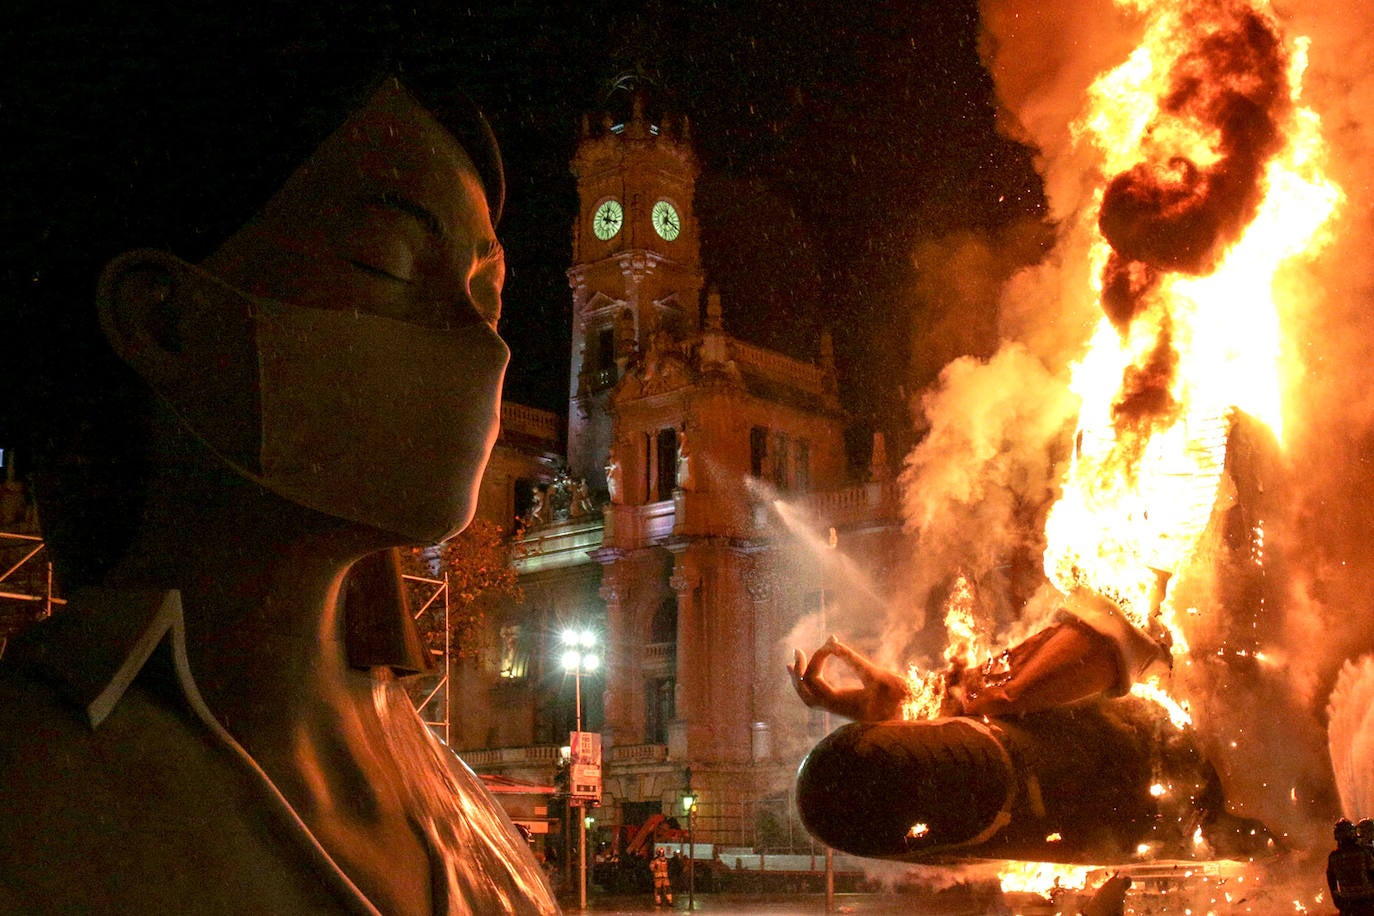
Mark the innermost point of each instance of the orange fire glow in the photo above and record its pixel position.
(967, 640)
(1042, 878)
(1210, 176)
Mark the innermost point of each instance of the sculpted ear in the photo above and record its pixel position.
(191, 338)
(140, 314)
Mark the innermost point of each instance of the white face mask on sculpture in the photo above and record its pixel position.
(365, 418)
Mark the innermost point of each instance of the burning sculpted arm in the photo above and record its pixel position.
(879, 696)
(1090, 651)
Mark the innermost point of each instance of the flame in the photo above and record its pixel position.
(966, 642)
(1153, 691)
(925, 694)
(1042, 877)
(1212, 179)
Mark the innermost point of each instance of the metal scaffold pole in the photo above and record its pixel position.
(441, 590)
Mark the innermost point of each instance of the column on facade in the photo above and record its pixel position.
(731, 642)
(692, 662)
(758, 587)
(618, 723)
(634, 267)
(715, 652)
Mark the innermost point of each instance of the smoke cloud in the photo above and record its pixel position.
(978, 484)
(1174, 213)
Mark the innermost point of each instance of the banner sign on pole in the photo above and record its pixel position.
(585, 767)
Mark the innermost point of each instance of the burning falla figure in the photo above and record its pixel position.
(1038, 752)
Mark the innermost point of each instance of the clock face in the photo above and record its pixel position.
(606, 222)
(666, 222)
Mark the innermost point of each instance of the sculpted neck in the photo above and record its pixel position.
(259, 579)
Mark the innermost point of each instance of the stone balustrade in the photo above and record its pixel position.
(529, 421)
(510, 756)
(558, 545)
(839, 507)
(804, 376)
(659, 653)
(639, 753)
(635, 526)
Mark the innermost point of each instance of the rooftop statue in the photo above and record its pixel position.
(197, 731)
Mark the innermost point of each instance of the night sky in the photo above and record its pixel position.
(835, 138)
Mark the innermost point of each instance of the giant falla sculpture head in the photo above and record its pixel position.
(340, 349)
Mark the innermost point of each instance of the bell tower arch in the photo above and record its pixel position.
(636, 261)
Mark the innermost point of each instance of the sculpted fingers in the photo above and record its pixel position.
(865, 669)
(856, 661)
(817, 663)
(796, 671)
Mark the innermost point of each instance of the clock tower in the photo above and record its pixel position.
(636, 262)
(666, 536)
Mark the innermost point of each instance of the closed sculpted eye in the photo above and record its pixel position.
(385, 233)
(382, 255)
(381, 272)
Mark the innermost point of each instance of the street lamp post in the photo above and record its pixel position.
(832, 542)
(689, 805)
(578, 655)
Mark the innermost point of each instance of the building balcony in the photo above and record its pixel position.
(867, 503)
(660, 655)
(636, 526)
(638, 753)
(557, 545)
(500, 759)
(530, 422)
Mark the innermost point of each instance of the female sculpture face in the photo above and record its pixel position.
(340, 349)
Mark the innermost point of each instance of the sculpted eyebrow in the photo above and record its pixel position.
(402, 204)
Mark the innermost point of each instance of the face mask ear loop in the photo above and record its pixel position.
(183, 278)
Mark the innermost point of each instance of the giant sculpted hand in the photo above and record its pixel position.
(878, 697)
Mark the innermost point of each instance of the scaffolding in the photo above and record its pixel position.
(28, 581)
(439, 590)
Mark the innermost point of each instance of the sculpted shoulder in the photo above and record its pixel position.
(94, 816)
